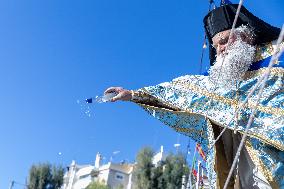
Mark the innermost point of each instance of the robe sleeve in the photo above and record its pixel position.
(189, 103)
(170, 103)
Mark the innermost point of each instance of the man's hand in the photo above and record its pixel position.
(122, 94)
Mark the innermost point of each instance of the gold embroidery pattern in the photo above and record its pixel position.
(203, 92)
(263, 169)
(232, 102)
(144, 96)
(274, 71)
(266, 140)
(189, 111)
(263, 52)
(251, 151)
(211, 139)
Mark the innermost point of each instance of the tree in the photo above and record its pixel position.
(174, 169)
(120, 186)
(143, 169)
(57, 174)
(166, 175)
(157, 180)
(45, 176)
(97, 185)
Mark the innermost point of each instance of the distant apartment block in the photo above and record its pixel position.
(115, 175)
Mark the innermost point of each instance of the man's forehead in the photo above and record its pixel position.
(221, 35)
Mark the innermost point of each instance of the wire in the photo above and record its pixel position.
(261, 82)
(226, 49)
(204, 40)
(202, 54)
(18, 183)
(275, 56)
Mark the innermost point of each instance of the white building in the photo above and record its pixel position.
(78, 176)
(160, 156)
(115, 175)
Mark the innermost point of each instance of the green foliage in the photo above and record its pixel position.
(142, 171)
(174, 170)
(119, 187)
(97, 185)
(45, 176)
(157, 180)
(167, 175)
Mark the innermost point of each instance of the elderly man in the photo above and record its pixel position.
(201, 106)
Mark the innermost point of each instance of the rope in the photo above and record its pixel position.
(261, 82)
(226, 49)
(202, 54)
(204, 40)
(231, 33)
(242, 105)
(274, 58)
(189, 183)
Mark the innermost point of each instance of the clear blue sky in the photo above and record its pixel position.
(54, 52)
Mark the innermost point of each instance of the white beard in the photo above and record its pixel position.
(239, 57)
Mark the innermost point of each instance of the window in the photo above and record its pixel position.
(84, 176)
(119, 176)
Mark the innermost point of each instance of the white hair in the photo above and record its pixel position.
(230, 68)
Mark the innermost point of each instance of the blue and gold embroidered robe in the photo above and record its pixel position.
(191, 104)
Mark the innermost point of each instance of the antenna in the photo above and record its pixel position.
(12, 184)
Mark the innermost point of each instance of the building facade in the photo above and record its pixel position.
(115, 175)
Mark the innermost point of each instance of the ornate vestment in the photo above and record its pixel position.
(191, 105)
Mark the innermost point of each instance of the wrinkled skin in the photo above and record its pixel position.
(122, 94)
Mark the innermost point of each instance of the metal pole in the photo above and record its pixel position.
(12, 184)
(189, 182)
(183, 182)
(202, 176)
(198, 174)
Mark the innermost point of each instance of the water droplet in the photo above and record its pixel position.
(88, 104)
(86, 107)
